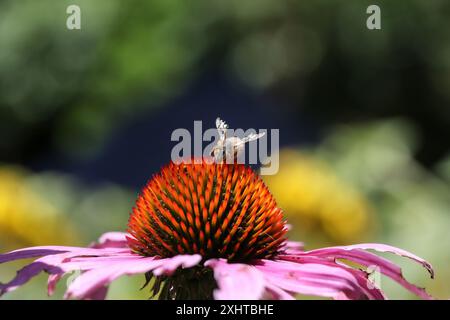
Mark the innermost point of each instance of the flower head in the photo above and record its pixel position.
(212, 230)
(215, 210)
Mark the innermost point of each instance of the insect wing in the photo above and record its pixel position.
(222, 128)
(252, 137)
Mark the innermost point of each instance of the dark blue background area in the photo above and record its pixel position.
(138, 148)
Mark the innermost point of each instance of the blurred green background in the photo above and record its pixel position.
(364, 117)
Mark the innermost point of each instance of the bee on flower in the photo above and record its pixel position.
(229, 148)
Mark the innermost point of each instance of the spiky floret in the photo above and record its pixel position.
(216, 210)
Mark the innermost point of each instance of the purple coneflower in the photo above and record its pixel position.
(204, 231)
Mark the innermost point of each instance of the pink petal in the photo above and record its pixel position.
(35, 252)
(99, 294)
(236, 281)
(366, 285)
(115, 241)
(382, 248)
(312, 279)
(92, 280)
(54, 263)
(275, 293)
(107, 240)
(26, 273)
(355, 254)
(361, 276)
(53, 279)
(112, 240)
(371, 291)
(172, 264)
(68, 264)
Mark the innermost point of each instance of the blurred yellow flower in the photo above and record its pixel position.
(28, 218)
(315, 200)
